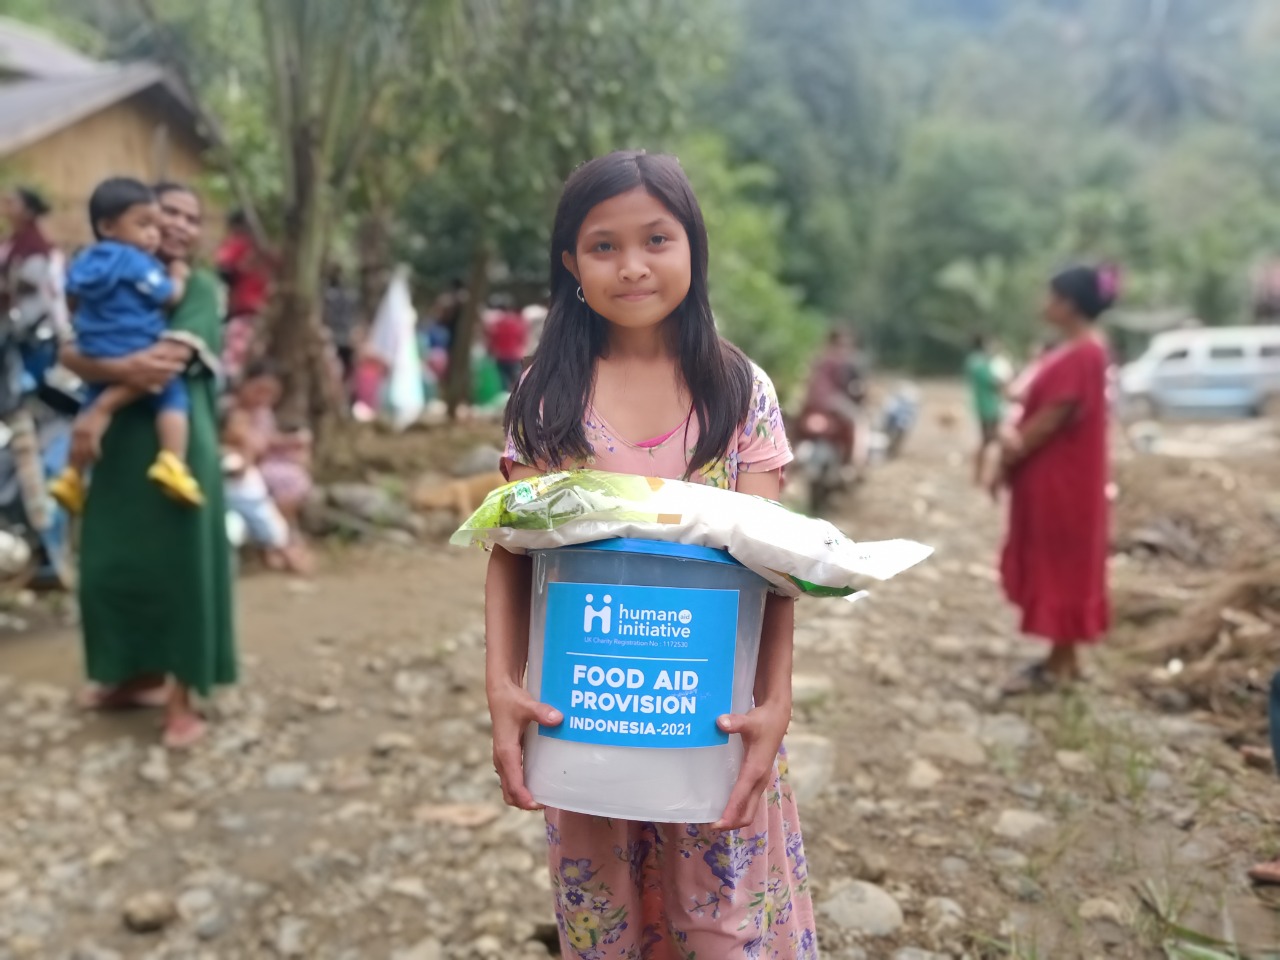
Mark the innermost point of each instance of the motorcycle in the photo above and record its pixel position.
(825, 454)
(38, 401)
(898, 417)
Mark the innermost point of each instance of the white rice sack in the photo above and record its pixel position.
(798, 555)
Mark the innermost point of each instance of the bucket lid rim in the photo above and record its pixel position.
(658, 548)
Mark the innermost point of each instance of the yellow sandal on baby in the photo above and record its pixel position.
(69, 491)
(175, 479)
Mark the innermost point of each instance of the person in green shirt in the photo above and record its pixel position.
(987, 374)
(155, 576)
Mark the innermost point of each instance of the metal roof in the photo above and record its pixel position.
(29, 52)
(31, 110)
(45, 86)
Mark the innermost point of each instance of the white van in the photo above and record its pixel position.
(1212, 371)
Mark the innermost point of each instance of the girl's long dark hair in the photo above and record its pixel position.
(546, 412)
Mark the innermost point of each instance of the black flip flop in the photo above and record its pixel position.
(1032, 680)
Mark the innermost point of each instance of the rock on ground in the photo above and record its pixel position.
(1021, 825)
(1100, 909)
(811, 762)
(923, 775)
(953, 746)
(864, 908)
(428, 949)
(1074, 762)
(149, 911)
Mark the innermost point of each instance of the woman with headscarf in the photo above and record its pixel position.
(31, 268)
(1054, 462)
(27, 258)
(155, 576)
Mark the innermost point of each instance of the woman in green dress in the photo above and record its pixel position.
(155, 575)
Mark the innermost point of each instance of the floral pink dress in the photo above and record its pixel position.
(627, 890)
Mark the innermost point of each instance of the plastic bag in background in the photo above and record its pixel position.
(798, 555)
(393, 341)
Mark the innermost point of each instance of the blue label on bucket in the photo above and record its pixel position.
(639, 666)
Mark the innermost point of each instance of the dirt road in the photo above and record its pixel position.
(345, 806)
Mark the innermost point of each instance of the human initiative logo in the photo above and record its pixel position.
(634, 621)
(604, 615)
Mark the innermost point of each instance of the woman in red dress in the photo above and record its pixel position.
(1054, 567)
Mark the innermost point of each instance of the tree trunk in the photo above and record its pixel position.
(459, 387)
(375, 260)
(294, 332)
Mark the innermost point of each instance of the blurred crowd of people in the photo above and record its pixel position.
(363, 355)
(507, 338)
(248, 469)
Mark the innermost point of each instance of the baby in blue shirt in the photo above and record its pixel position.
(121, 291)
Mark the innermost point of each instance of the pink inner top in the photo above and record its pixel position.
(647, 444)
(760, 446)
(658, 441)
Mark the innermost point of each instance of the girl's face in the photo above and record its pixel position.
(632, 260)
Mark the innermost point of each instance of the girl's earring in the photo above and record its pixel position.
(581, 298)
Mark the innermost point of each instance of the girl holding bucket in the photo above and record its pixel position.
(635, 379)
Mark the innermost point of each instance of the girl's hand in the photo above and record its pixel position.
(762, 731)
(512, 709)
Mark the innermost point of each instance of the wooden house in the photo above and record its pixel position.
(68, 122)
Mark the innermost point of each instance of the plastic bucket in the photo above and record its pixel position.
(641, 645)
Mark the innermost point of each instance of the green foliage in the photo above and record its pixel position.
(753, 308)
(1141, 132)
(800, 97)
(1165, 63)
(915, 167)
(543, 88)
(964, 210)
(58, 17)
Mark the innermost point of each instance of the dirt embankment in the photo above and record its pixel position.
(1197, 573)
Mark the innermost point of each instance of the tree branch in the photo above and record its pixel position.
(344, 170)
(277, 57)
(221, 148)
(379, 83)
(337, 95)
